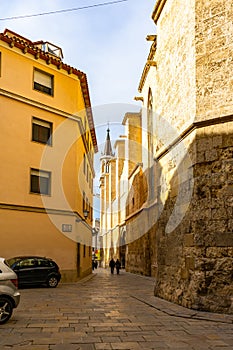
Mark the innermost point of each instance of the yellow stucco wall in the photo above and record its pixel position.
(30, 229)
(17, 76)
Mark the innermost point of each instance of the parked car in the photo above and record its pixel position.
(35, 270)
(9, 294)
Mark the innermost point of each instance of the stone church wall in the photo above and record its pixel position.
(188, 233)
(195, 259)
(214, 58)
(175, 59)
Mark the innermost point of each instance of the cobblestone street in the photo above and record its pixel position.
(108, 311)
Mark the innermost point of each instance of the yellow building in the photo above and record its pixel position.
(47, 145)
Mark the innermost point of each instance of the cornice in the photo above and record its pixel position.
(56, 111)
(41, 210)
(137, 166)
(36, 104)
(129, 115)
(149, 63)
(194, 126)
(31, 209)
(158, 9)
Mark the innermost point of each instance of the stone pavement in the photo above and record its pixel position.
(107, 311)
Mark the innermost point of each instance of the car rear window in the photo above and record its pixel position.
(10, 262)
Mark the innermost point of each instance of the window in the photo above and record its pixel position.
(0, 63)
(88, 207)
(84, 251)
(43, 82)
(40, 181)
(84, 163)
(87, 174)
(44, 263)
(84, 200)
(107, 167)
(150, 143)
(27, 263)
(41, 131)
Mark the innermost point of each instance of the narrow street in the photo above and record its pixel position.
(107, 311)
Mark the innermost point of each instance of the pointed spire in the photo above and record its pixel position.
(108, 146)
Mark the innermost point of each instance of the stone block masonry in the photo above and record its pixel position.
(186, 226)
(195, 261)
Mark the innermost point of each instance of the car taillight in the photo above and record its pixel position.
(15, 282)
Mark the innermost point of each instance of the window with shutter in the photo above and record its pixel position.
(43, 82)
(41, 131)
(40, 181)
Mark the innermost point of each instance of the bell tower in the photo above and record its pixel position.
(107, 190)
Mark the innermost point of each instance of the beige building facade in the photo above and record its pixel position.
(48, 144)
(186, 83)
(178, 221)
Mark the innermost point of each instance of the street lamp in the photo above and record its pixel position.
(85, 214)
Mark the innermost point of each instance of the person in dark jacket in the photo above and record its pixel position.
(118, 266)
(112, 265)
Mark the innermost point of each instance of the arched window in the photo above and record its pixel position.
(150, 144)
(150, 121)
(107, 167)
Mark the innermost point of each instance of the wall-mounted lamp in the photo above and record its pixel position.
(95, 230)
(85, 214)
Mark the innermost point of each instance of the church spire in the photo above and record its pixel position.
(108, 146)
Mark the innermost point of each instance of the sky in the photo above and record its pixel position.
(107, 42)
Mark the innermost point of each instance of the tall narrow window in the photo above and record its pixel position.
(107, 167)
(41, 131)
(0, 64)
(84, 201)
(150, 143)
(40, 181)
(43, 82)
(84, 163)
(87, 207)
(87, 174)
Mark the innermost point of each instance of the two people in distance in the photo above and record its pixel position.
(115, 264)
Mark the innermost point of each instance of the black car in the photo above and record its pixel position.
(35, 270)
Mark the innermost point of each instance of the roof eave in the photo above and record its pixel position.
(147, 66)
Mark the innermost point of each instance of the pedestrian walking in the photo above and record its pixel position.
(118, 266)
(112, 265)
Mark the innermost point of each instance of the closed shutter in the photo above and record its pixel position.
(43, 82)
(43, 79)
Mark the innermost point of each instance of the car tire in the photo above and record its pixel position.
(52, 281)
(6, 309)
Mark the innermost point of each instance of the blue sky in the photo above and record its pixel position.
(107, 42)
